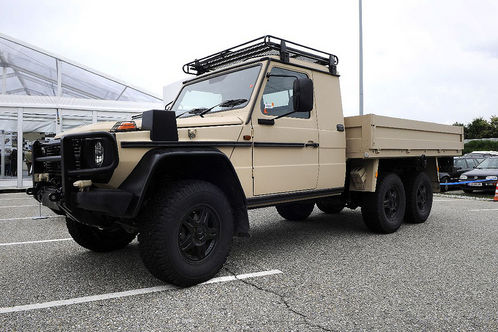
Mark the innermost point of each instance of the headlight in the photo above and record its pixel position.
(99, 154)
(491, 177)
(463, 177)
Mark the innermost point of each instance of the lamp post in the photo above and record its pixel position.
(361, 55)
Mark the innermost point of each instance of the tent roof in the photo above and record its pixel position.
(28, 70)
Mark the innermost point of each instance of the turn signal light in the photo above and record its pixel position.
(124, 126)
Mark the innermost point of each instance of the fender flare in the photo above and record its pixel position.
(139, 180)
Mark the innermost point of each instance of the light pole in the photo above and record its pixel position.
(361, 56)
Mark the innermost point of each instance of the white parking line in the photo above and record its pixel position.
(132, 292)
(15, 199)
(29, 218)
(14, 194)
(31, 242)
(477, 210)
(16, 206)
(463, 197)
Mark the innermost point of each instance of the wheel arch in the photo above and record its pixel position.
(407, 168)
(158, 166)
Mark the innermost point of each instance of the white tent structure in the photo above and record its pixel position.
(44, 93)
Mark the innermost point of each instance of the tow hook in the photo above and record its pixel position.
(55, 196)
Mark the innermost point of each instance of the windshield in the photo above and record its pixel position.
(490, 163)
(213, 91)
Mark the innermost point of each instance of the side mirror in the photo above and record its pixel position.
(303, 95)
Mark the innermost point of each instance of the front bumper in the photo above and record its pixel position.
(488, 185)
(59, 163)
(46, 195)
(111, 202)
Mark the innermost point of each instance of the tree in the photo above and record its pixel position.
(493, 122)
(478, 128)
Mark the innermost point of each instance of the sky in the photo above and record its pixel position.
(424, 60)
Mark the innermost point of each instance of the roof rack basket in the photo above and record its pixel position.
(266, 45)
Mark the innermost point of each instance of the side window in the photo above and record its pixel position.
(277, 96)
(460, 163)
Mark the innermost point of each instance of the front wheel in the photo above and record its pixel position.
(99, 240)
(186, 232)
(383, 210)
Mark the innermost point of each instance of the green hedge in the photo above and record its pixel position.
(480, 146)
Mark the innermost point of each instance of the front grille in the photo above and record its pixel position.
(53, 168)
(76, 163)
(76, 143)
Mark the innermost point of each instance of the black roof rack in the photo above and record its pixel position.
(266, 45)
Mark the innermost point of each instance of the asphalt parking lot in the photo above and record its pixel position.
(328, 273)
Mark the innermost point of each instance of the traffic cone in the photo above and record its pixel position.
(496, 193)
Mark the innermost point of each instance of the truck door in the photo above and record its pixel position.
(285, 155)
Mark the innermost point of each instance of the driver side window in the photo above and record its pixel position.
(277, 96)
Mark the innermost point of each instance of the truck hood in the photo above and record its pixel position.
(100, 126)
(181, 123)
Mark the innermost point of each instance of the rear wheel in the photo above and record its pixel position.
(99, 240)
(383, 210)
(330, 205)
(418, 198)
(186, 232)
(295, 211)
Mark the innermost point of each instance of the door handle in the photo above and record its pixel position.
(312, 144)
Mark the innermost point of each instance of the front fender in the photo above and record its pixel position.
(157, 161)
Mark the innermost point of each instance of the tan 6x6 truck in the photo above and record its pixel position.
(260, 125)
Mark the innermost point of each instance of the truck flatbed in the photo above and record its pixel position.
(375, 136)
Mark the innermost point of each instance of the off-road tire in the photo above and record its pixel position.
(389, 196)
(468, 191)
(442, 186)
(418, 198)
(330, 205)
(96, 239)
(295, 211)
(163, 230)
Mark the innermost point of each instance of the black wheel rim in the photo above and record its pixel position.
(421, 197)
(198, 233)
(391, 203)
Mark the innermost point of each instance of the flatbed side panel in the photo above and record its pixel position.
(375, 136)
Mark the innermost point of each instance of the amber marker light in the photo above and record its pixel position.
(124, 126)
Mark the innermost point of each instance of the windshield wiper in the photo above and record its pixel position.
(226, 103)
(203, 110)
(194, 111)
